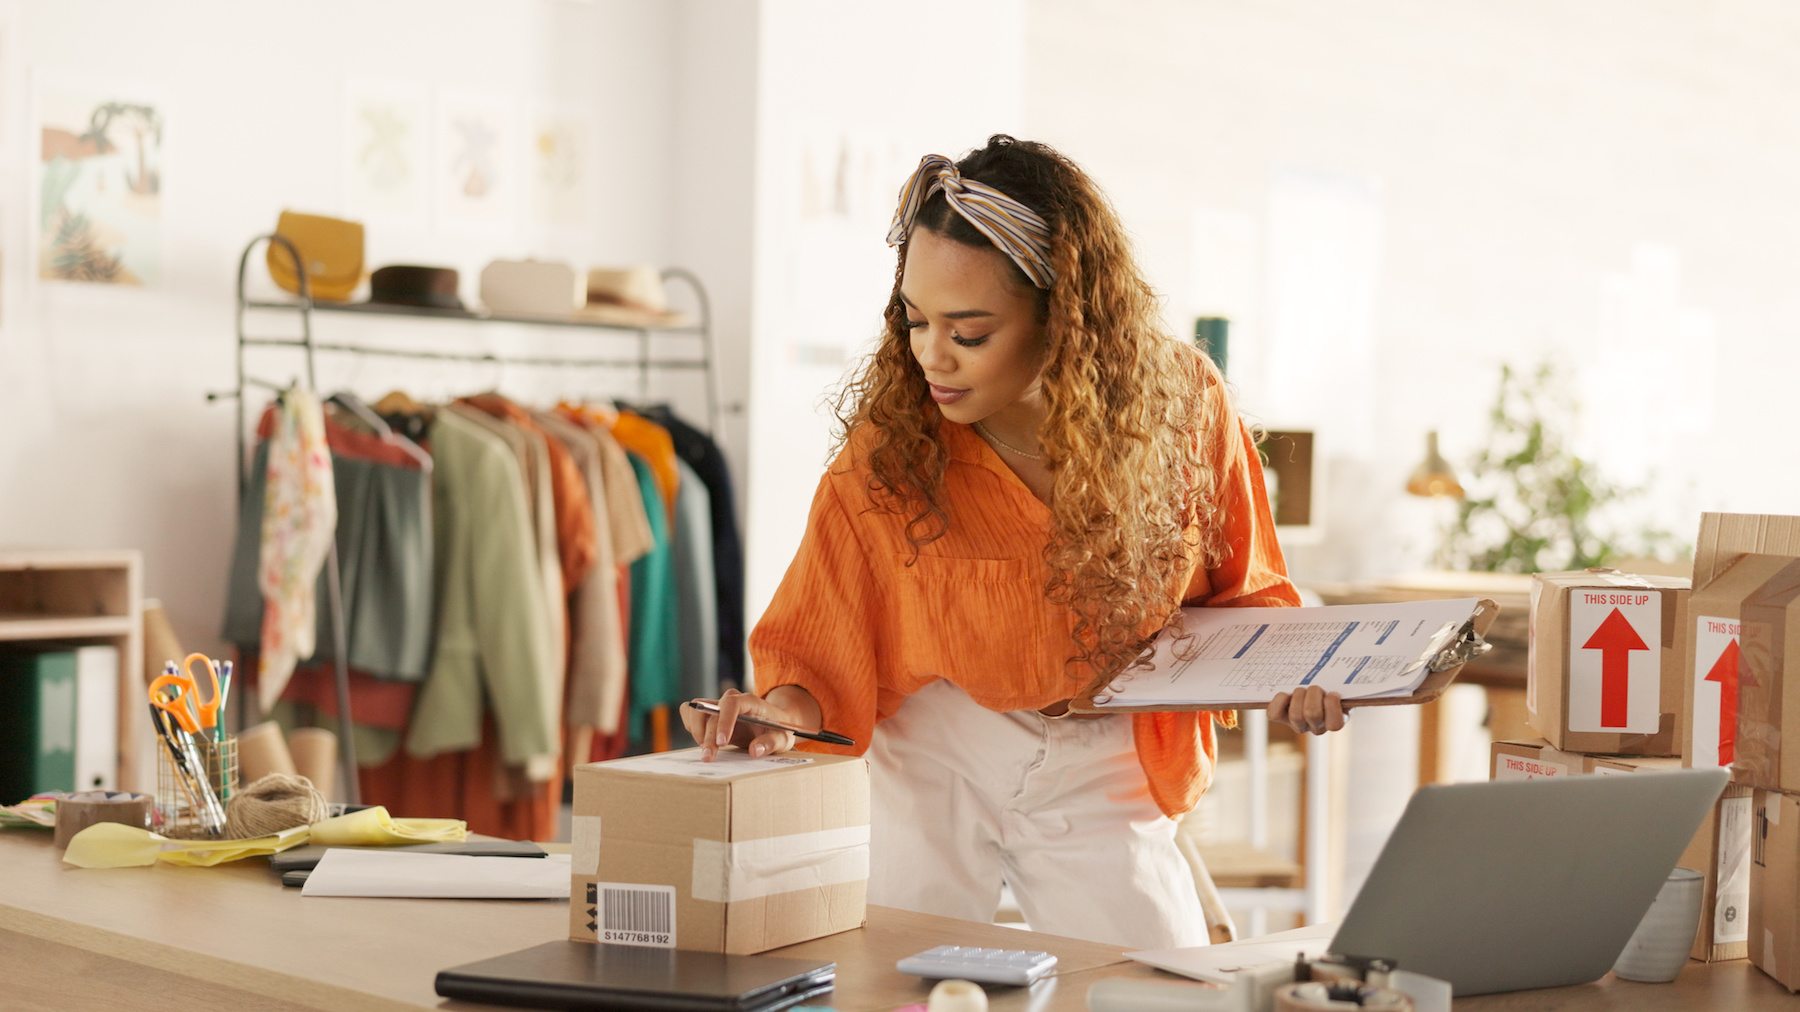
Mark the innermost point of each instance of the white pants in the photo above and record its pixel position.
(964, 797)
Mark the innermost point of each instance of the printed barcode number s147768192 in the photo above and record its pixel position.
(632, 914)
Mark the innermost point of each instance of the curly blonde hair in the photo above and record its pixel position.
(1133, 498)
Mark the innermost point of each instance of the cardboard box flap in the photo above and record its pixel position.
(1725, 536)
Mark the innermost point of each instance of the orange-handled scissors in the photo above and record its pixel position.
(186, 706)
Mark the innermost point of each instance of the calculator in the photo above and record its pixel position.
(1017, 967)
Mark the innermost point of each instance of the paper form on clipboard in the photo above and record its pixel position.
(1242, 657)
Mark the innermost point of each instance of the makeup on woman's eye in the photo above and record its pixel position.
(968, 342)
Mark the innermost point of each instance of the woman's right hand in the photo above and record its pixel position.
(789, 704)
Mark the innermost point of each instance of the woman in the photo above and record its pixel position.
(1034, 477)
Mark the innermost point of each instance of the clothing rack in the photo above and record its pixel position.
(304, 307)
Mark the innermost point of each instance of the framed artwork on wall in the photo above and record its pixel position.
(98, 184)
(387, 134)
(475, 163)
(560, 160)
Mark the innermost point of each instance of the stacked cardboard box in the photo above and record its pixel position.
(1744, 692)
(1611, 688)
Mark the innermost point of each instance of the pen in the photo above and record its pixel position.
(828, 737)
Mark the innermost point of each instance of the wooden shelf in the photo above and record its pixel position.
(1241, 866)
(56, 627)
(53, 595)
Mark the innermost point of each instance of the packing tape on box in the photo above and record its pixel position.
(584, 844)
(724, 872)
(79, 811)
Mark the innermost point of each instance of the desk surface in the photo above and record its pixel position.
(198, 939)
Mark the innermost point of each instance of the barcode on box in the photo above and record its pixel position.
(631, 913)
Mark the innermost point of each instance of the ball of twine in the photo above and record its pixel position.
(276, 802)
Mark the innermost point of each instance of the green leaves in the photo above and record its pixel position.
(1533, 504)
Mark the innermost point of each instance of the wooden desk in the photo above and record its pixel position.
(167, 939)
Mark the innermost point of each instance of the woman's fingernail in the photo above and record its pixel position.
(723, 738)
(758, 749)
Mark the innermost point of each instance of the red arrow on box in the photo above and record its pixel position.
(1725, 672)
(1615, 639)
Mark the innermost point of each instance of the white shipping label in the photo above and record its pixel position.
(1518, 767)
(584, 844)
(632, 913)
(1731, 902)
(1615, 660)
(1610, 771)
(1715, 690)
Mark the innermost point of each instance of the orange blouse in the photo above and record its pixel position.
(861, 623)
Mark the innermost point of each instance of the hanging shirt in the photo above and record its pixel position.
(495, 641)
(651, 441)
(384, 555)
(701, 453)
(574, 517)
(696, 597)
(532, 457)
(862, 622)
(655, 621)
(597, 650)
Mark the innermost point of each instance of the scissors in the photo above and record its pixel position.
(186, 706)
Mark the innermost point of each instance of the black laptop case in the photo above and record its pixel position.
(585, 975)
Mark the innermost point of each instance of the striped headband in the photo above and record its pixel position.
(1013, 228)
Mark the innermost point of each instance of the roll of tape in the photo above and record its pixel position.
(957, 996)
(79, 811)
(1314, 996)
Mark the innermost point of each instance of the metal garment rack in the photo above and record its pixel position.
(309, 348)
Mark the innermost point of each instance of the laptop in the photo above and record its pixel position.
(586, 975)
(1515, 884)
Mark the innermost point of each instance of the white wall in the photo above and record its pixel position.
(850, 97)
(1610, 182)
(105, 436)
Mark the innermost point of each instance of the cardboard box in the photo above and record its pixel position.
(736, 856)
(1775, 887)
(1768, 746)
(1720, 849)
(1605, 662)
(1714, 658)
(1534, 758)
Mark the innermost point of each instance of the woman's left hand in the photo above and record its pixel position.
(1309, 710)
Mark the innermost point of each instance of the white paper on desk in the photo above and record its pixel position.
(345, 872)
(1239, 656)
(1218, 963)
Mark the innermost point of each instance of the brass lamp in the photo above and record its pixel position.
(1433, 476)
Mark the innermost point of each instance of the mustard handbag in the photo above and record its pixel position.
(331, 248)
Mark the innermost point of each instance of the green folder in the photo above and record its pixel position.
(37, 723)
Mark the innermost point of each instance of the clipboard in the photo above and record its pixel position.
(1468, 644)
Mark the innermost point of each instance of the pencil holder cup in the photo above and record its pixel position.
(192, 787)
(1659, 948)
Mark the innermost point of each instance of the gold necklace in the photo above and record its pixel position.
(996, 439)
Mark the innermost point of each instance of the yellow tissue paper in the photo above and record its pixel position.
(374, 827)
(113, 845)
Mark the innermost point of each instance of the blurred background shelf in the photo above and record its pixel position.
(58, 597)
